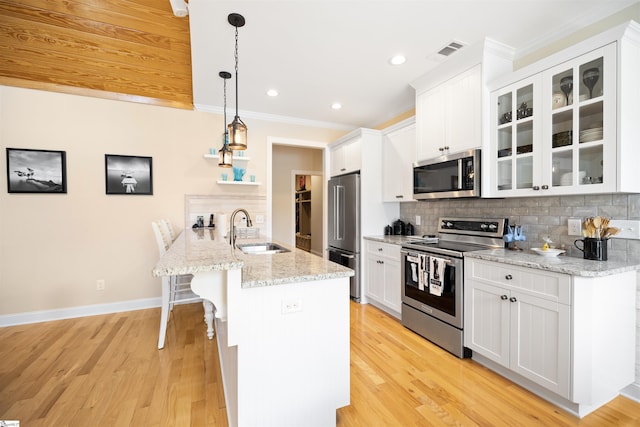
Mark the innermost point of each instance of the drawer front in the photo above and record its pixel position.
(385, 250)
(540, 283)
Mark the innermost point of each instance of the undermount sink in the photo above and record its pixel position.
(261, 248)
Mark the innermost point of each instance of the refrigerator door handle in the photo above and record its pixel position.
(339, 214)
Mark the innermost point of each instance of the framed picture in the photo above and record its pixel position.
(128, 174)
(36, 171)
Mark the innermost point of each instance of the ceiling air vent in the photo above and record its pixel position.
(452, 47)
(442, 54)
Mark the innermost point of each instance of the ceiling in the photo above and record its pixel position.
(318, 52)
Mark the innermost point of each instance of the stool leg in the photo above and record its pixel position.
(164, 312)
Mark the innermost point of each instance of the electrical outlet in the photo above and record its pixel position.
(291, 306)
(418, 219)
(100, 285)
(574, 226)
(259, 219)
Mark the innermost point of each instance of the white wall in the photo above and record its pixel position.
(53, 248)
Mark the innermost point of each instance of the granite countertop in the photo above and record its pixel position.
(203, 250)
(560, 264)
(393, 239)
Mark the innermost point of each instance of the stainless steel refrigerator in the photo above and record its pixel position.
(344, 226)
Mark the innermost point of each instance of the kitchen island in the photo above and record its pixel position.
(282, 328)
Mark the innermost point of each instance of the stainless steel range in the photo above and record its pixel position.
(433, 278)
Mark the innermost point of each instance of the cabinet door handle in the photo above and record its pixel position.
(513, 299)
(399, 197)
(508, 277)
(545, 187)
(536, 188)
(343, 169)
(503, 297)
(379, 249)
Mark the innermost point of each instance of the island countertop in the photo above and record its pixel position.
(202, 250)
(560, 264)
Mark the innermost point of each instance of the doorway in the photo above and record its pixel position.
(307, 210)
(287, 159)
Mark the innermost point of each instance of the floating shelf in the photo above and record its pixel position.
(238, 182)
(215, 156)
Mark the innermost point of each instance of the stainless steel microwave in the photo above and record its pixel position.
(448, 176)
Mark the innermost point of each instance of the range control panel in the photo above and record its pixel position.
(473, 226)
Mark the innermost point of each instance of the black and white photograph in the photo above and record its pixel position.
(131, 175)
(36, 171)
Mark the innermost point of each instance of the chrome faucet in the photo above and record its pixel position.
(232, 227)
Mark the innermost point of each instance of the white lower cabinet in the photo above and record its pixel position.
(382, 276)
(526, 334)
(552, 332)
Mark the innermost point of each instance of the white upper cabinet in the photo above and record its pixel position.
(346, 157)
(452, 98)
(443, 109)
(566, 127)
(398, 155)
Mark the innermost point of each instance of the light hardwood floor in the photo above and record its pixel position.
(106, 371)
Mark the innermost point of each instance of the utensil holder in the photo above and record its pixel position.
(592, 248)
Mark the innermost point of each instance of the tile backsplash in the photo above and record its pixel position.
(539, 217)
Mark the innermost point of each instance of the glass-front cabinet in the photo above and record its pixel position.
(555, 132)
(582, 125)
(517, 121)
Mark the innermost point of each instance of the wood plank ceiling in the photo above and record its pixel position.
(134, 50)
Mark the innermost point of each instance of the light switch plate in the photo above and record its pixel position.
(629, 229)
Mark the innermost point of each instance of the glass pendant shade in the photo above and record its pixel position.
(225, 154)
(238, 134)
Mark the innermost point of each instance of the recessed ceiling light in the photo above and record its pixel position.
(397, 60)
(272, 92)
(336, 106)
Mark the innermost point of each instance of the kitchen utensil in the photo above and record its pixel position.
(598, 228)
(566, 85)
(590, 78)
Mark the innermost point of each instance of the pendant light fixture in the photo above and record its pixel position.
(237, 129)
(225, 154)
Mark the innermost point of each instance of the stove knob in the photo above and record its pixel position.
(449, 224)
(483, 226)
(492, 226)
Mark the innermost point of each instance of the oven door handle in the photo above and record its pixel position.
(347, 256)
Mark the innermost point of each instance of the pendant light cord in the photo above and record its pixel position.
(225, 110)
(236, 57)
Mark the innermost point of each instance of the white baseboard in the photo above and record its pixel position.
(81, 311)
(632, 392)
